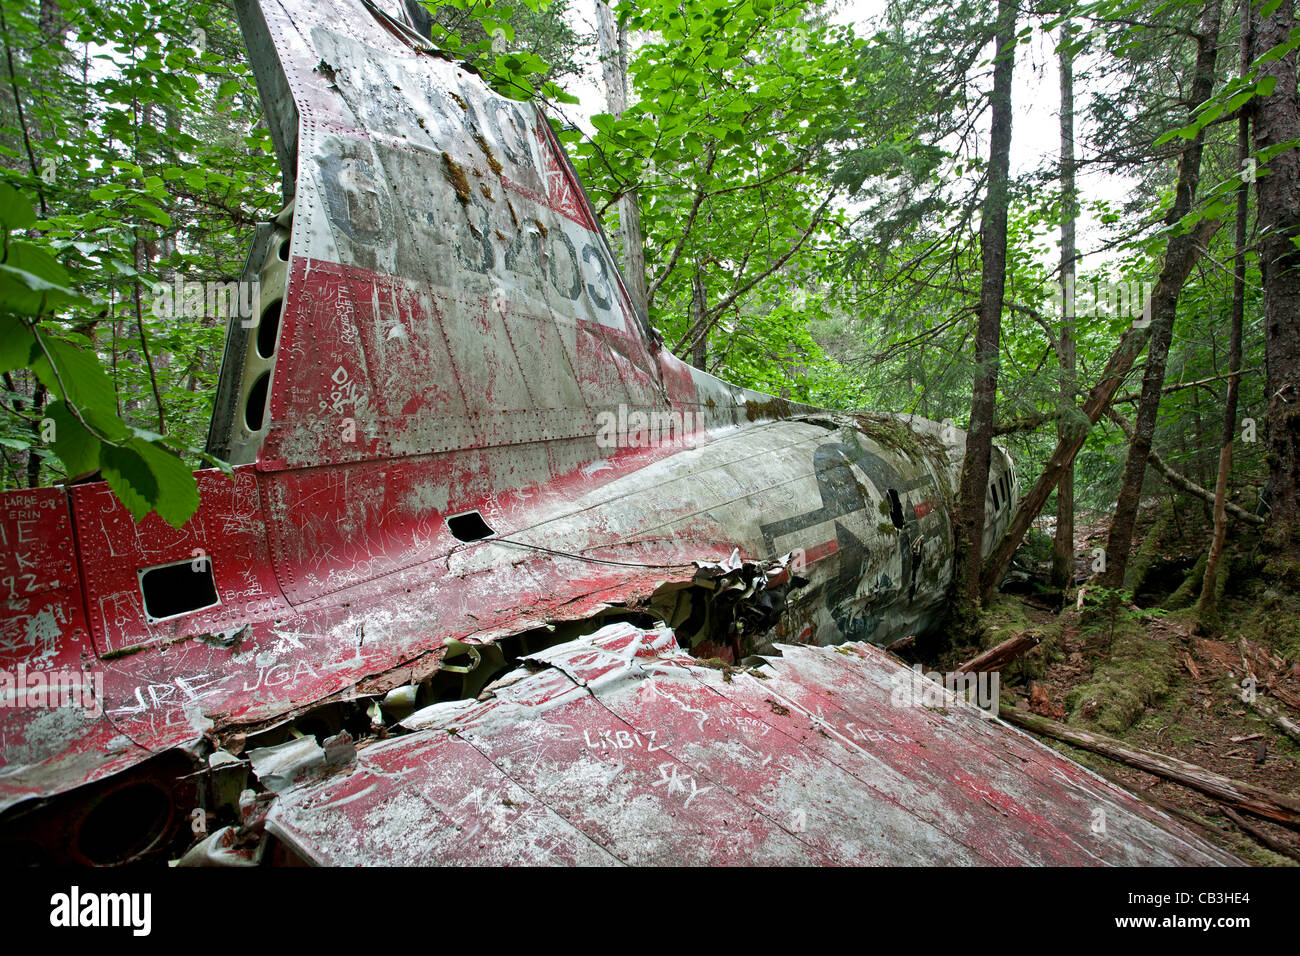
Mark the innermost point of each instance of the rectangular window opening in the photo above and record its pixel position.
(469, 526)
(183, 587)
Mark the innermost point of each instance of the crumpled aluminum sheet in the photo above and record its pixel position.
(619, 748)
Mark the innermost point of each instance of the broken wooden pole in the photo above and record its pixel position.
(1236, 793)
(1259, 836)
(1278, 719)
(902, 644)
(995, 658)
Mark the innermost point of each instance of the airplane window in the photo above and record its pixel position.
(255, 410)
(268, 328)
(895, 509)
(993, 490)
(179, 588)
(469, 527)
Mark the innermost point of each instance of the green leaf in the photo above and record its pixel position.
(17, 343)
(87, 386)
(15, 211)
(151, 211)
(26, 293)
(76, 447)
(129, 476)
(178, 493)
(38, 262)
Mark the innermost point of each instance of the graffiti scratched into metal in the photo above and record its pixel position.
(455, 439)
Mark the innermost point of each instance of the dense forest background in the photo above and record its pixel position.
(814, 201)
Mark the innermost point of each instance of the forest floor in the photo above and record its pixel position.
(1146, 674)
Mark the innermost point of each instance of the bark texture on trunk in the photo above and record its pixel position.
(1277, 120)
(1181, 255)
(1173, 272)
(1164, 310)
(993, 252)
(1063, 544)
(1207, 610)
(699, 320)
(611, 40)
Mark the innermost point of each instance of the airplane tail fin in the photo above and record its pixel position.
(440, 281)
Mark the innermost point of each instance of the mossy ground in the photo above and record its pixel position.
(1136, 666)
(1156, 676)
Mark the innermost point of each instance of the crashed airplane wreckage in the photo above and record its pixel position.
(498, 579)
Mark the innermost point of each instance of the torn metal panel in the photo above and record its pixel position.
(224, 848)
(650, 757)
(278, 767)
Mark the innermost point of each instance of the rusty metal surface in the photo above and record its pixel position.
(621, 748)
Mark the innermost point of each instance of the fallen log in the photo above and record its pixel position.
(995, 658)
(1264, 839)
(902, 644)
(1236, 793)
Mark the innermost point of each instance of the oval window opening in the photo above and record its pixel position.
(268, 329)
(255, 409)
(125, 824)
(895, 509)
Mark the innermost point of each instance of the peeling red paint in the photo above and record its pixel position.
(634, 748)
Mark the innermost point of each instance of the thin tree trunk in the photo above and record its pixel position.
(611, 40)
(1276, 120)
(1181, 481)
(993, 253)
(33, 459)
(699, 320)
(1165, 308)
(1178, 263)
(141, 262)
(51, 19)
(1063, 546)
(1207, 611)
